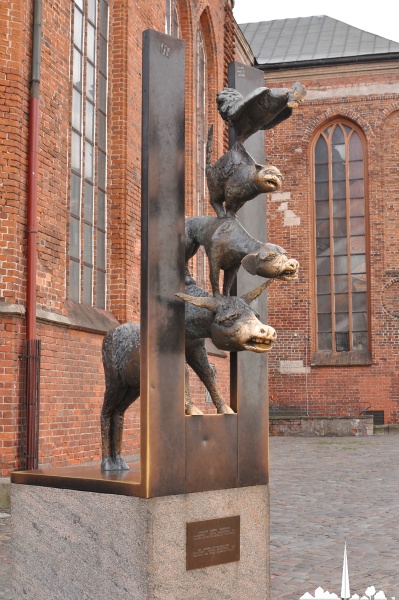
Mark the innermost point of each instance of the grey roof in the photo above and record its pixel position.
(307, 39)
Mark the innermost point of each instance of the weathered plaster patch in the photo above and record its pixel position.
(293, 367)
(355, 90)
(283, 206)
(290, 218)
(280, 196)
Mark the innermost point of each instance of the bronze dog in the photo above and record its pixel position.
(228, 245)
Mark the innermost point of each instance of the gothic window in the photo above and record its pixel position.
(87, 246)
(172, 19)
(341, 255)
(201, 137)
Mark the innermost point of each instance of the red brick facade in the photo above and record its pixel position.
(71, 335)
(71, 383)
(367, 96)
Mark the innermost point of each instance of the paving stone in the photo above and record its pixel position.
(5, 556)
(323, 491)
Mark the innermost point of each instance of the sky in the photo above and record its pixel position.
(380, 17)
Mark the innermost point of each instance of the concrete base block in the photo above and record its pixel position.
(89, 546)
(5, 492)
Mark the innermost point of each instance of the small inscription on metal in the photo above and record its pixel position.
(165, 50)
(213, 542)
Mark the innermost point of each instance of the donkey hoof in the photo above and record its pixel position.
(117, 464)
(225, 410)
(123, 466)
(193, 410)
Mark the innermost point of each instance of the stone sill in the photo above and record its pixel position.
(341, 359)
(83, 318)
(79, 316)
(327, 426)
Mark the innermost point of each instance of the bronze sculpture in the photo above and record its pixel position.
(228, 245)
(231, 324)
(228, 320)
(236, 178)
(263, 108)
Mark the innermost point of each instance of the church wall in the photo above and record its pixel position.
(72, 382)
(366, 95)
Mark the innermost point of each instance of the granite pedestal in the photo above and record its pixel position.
(79, 545)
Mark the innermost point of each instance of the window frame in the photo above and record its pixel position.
(172, 20)
(87, 259)
(344, 357)
(201, 126)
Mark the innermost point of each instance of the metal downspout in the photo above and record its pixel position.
(32, 349)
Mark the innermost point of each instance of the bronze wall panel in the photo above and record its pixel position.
(251, 374)
(162, 266)
(211, 452)
(88, 478)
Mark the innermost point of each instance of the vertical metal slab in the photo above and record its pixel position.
(162, 266)
(211, 452)
(251, 368)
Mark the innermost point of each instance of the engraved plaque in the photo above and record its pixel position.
(213, 542)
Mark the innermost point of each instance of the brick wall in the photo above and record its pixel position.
(71, 371)
(367, 95)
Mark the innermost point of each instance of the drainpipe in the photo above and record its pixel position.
(307, 339)
(32, 350)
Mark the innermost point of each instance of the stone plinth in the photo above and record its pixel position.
(90, 546)
(321, 426)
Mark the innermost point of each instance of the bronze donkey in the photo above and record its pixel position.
(231, 324)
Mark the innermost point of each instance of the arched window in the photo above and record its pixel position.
(341, 265)
(172, 19)
(201, 126)
(88, 188)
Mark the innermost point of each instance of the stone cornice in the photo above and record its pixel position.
(323, 73)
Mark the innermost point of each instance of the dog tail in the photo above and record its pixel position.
(209, 146)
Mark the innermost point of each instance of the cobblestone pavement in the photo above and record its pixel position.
(5, 555)
(326, 490)
(323, 491)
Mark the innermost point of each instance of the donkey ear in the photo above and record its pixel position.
(209, 302)
(249, 262)
(251, 296)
